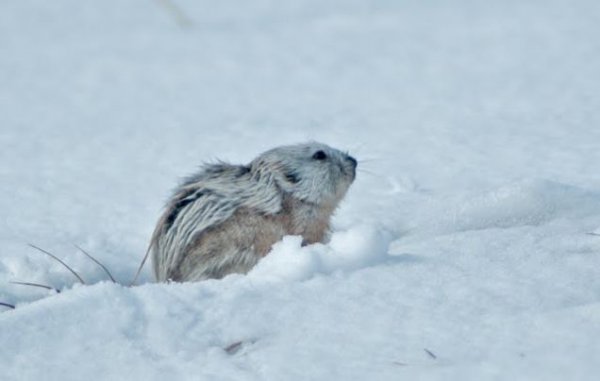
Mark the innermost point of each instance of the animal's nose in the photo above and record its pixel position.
(352, 160)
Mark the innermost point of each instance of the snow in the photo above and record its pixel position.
(468, 247)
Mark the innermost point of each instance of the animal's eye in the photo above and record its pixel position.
(319, 155)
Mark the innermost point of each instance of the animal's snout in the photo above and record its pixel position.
(352, 161)
(350, 166)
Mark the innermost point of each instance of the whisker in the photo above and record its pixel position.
(361, 161)
(7, 305)
(59, 261)
(357, 147)
(362, 170)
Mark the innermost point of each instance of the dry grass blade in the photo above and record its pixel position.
(59, 261)
(139, 270)
(7, 305)
(35, 285)
(178, 14)
(97, 262)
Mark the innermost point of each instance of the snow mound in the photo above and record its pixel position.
(523, 203)
(348, 250)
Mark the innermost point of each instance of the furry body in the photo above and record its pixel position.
(226, 217)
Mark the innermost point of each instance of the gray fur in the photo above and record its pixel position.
(224, 218)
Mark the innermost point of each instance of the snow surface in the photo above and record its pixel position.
(468, 247)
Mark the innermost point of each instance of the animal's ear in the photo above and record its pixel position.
(292, 177)
(242, 170)
(180, 202)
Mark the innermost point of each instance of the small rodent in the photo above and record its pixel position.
(226, 217)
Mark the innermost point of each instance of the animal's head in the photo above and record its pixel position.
(311, 172)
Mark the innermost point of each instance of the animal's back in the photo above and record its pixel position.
(215, 210)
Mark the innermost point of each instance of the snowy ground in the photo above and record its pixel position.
(463, 250)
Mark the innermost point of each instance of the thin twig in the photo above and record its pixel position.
(61, 262)
(7, 305)
(233, 348)
(35, 285)
(96, 262)
(430, 353)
